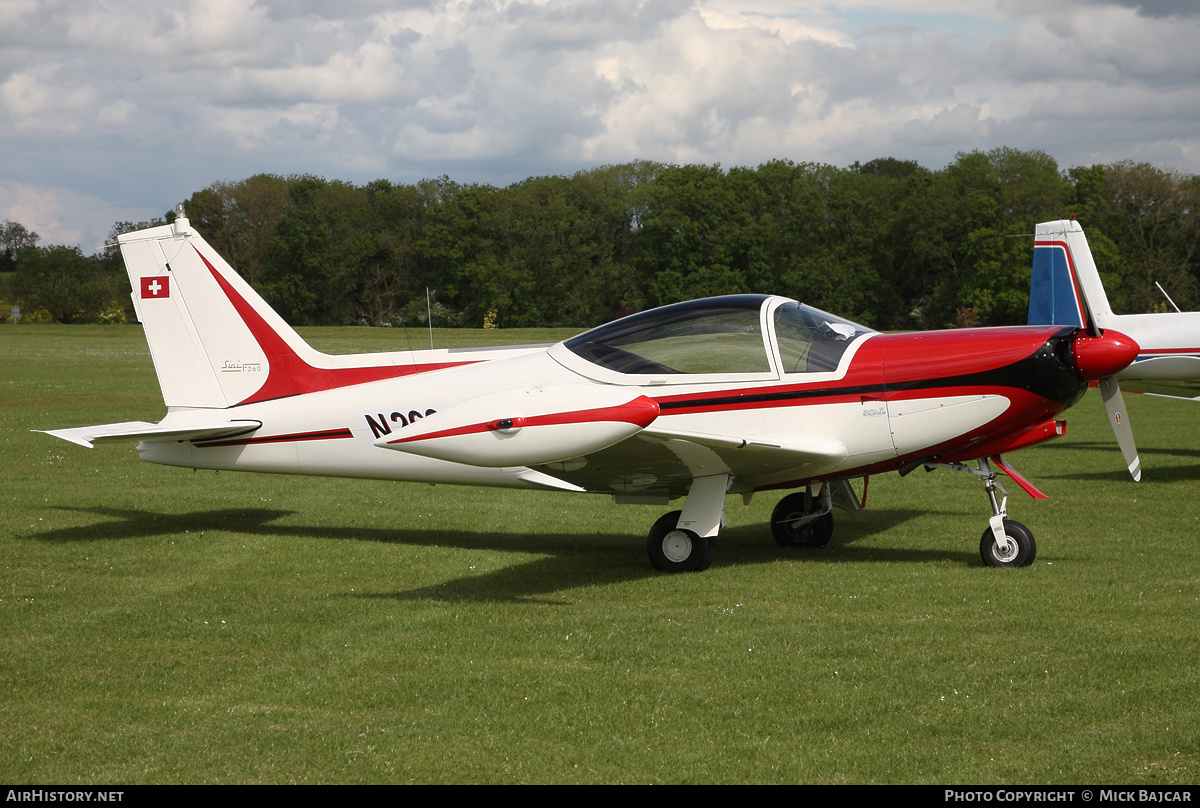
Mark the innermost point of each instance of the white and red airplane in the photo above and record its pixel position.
(1065, 289)
(727, 395)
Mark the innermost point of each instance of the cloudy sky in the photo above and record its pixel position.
(118, 109)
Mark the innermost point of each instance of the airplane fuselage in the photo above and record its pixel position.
(894, 398)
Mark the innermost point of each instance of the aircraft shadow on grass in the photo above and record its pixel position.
(1161, 472)
(570, 560)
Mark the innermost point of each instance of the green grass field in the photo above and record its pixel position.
(164, 626)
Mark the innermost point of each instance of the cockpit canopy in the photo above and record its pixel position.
(720, 335)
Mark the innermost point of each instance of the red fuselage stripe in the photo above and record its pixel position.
(328, 434)
(640, 412)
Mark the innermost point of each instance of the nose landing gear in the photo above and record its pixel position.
(1005, 543)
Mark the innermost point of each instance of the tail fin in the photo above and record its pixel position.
(1065, 286)
(214, 341)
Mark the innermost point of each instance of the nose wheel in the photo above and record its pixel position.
(1018, 551)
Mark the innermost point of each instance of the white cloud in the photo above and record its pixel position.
(787, 29)
(142, 103)
(64, 215)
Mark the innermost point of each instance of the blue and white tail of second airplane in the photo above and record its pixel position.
(1065, 289)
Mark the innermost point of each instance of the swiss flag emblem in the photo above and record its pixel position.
(158, 286)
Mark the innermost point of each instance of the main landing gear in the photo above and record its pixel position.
(804, 520)
(686, 541)
(678, 549)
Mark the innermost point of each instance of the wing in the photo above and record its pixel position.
(661, 462)
(1182, 388)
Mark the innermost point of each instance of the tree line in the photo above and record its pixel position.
(887, 243)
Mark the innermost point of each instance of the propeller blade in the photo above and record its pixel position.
(1118, 418)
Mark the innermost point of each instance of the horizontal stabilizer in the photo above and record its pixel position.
(142, 430)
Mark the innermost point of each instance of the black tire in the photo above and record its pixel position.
(816, 533)
(674, 549)
(1026, 546)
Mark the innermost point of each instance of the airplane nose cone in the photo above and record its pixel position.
(1098, 357)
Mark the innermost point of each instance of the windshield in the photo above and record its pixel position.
(810, 340)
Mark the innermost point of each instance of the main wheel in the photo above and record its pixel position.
(675, 549)
(816, 533)
(1026, 550)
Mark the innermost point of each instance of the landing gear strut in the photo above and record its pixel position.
(1005, 543)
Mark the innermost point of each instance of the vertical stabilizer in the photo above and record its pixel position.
(214, 341)
(1065, 286)
(167, 275)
